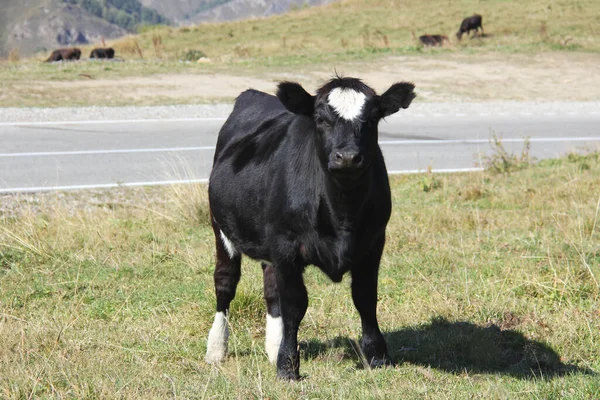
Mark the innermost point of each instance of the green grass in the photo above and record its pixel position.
(488, 289)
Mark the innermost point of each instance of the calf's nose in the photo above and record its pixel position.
(348, 159)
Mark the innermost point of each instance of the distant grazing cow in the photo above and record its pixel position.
(72, 53)
(109, 52)
(468, 24)
(300, 180)
(433, 40)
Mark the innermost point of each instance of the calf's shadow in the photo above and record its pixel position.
(459, 347)
(482, 36)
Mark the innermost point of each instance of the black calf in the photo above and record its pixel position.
(108, 52)
(68, 54)
(300, 180)
(433, 40)
(468, 24)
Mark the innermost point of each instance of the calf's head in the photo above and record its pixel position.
(346, 113)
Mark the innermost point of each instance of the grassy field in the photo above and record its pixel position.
(351, 29)
(322, 37)
(488, 289)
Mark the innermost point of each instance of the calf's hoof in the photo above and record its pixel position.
(288, 367)
(378, 362)
(288, 375)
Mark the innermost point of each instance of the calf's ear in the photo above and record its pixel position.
(398, 96)
(296, 99)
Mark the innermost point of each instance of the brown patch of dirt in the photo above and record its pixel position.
(176, 87)
(489, 77)
(454, 77)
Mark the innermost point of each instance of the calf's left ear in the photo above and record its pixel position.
(398, 96)
(296, 99)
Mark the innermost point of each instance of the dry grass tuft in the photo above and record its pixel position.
(129, 47)
(191, 202)
(13, 55)
(158, 45)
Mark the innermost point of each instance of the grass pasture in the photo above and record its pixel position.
(488, 289)
(358, 29)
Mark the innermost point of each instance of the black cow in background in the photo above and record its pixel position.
(433, 40)
(468, 24)
(108, 52)
(72, 53)
(300, 180)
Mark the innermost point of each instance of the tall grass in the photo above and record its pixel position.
(488, 288)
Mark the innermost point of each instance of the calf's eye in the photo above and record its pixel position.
(323, 123)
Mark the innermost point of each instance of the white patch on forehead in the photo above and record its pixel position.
(348, 103)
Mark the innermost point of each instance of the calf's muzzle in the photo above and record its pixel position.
(346, 160)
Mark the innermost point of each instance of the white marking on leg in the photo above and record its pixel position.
(228, 245)
(216, 348)
(273, 335)
(347, 103)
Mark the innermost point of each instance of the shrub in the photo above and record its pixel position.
(501, 161)
(193, 55)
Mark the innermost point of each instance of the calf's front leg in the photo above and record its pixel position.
(364, 295)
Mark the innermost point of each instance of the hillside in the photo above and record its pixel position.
(41, 25)
(34, 26)
(127, 14)
(185, 12)
(242, 9)
(181, 11)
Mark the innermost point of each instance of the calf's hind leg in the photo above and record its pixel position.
(274, 327)
(293, 300)
(227, 275)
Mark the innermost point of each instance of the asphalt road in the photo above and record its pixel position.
(86, 154)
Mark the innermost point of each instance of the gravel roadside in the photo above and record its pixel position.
(18, 205)
(59, 114)
(18, 115)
